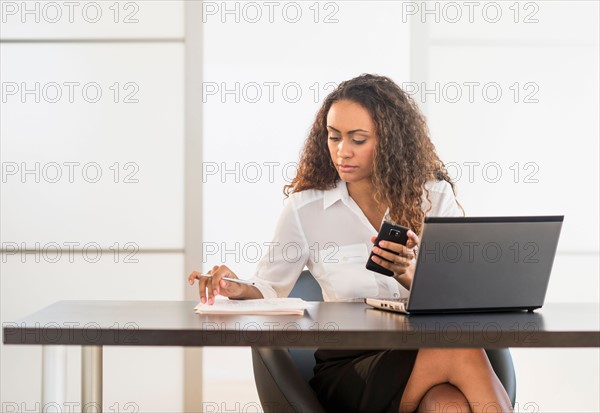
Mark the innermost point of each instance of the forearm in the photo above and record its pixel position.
(405, 279)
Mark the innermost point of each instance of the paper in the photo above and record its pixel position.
(269, 306)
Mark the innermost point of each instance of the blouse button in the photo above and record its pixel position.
(396, 295)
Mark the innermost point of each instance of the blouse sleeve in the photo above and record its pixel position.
(286, 256)
(443, 201)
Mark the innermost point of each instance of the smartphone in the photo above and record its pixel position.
(392, 233)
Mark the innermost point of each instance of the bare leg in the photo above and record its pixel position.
(469, 370)
(444, 398)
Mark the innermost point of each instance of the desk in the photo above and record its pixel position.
(94, 324)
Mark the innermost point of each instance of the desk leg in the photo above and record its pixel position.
(54, 376)
(91, 379)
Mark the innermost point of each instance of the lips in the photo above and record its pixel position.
(347, 168)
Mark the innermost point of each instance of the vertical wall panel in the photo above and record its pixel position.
(105, 172)
(132, 52)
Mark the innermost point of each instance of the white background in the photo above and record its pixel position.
(547, 51)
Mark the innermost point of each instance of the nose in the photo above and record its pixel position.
(344, 151)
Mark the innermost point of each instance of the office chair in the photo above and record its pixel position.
(282, 374)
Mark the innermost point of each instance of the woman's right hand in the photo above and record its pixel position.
(402, 262)
(216, 285)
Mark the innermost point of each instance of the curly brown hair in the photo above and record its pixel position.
(405, 159)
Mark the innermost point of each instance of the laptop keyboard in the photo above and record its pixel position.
(397, 300)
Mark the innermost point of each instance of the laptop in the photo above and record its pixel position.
(476, 264)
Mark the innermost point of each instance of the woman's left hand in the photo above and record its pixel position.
(402, 264)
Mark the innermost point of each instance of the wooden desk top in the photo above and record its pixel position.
(326, 325)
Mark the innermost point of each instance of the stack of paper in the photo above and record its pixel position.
(271, 306)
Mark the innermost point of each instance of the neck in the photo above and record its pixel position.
(362, 193)
(360, 189)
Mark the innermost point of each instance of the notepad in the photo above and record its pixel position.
(268, 306)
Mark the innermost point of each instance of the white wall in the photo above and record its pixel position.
(132, 215)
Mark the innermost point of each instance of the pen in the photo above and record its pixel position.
(233, 280)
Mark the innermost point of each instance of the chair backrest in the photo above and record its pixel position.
(503, 366)
(308, 289)
(281, 387)
(279, 384)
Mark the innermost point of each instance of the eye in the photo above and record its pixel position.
(359, 142)
(334, 138)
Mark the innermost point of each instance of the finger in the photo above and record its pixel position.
(211, 292)
(400, 258)
(395, 247)
(209, 289)
(392, 246)
(193, 277)
(213, 269)
(385, 255)
(202, 290)
(413, 239)
(221, 272)
(396, 268)
(208, 284)
(226, 285)
(229, 289)
(373, 238)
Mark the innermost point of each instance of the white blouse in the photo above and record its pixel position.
(327, 232)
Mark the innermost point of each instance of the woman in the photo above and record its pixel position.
(368, 158)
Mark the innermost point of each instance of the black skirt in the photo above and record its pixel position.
(358, 381)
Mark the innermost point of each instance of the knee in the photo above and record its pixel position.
(444, 398)
(469, 358)
(456, 357)
(460, 363)
(470, 354)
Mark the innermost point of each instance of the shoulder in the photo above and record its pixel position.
(439, 199)
(439, 187)
(303, 198)
(300, 205)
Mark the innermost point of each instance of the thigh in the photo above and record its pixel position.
(373, 382)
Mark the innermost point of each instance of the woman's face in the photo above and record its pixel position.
(351, 140)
